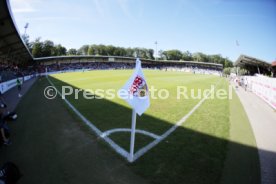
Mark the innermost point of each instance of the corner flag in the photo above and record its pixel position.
(137, 88)
(138, 98)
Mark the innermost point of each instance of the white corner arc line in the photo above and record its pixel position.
(108, 132)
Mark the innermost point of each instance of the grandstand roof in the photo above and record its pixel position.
(252, 64)
(12, 46)
(247, 60)
(122, 59)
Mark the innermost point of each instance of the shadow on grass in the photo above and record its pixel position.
(64, 150)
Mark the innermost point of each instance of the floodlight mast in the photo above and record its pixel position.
(238, 46)
(25, 27)
(155, 50)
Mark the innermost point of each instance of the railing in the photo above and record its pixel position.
(5, 86)
(264, 87)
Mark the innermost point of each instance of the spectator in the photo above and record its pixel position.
(18, 82)
(4, 129)
(245, 84)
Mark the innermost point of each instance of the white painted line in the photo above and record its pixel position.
(115, 146)
(145, 149)
(108, 132)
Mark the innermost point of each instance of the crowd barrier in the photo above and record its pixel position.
(5, 86)
(264, 87)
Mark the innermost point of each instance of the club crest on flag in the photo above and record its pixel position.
(135, 91)
(139, 87)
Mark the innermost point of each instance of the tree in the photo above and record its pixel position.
(110, 50)
(101, 50)
(129, 52)
(173, 54)
(198, 56)
(26, 40)
(187, 56)
(142, 52)
(150, 54)
(162, 55)
(83, 50)
(227, 71)
(228, 63)
(72, 52)
(238, 70)
(243, 71)
(48, 48)
(216, 58)
(37, 46)
(60, 50)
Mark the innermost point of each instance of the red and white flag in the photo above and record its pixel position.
(136, 92)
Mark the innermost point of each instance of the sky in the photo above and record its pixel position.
(226, 27)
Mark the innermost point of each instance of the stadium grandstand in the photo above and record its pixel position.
(12, 47)
(115, 62)
(105, 59)
(13, 51)
(254, 65)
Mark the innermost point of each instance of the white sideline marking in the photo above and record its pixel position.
(115, 146)
(145, 149)
(108, 132)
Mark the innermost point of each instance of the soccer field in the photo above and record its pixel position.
(167, 108)
(199, 142)
(214, 144)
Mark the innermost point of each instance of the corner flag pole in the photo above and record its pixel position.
(139, 102)
(132, 139)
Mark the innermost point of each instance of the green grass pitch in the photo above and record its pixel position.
(56, 147)
(108, 114)
(200, 143)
